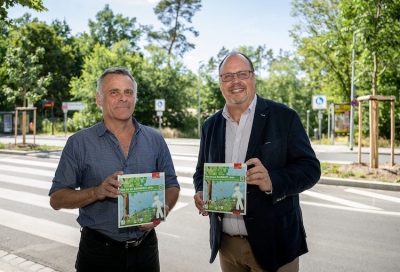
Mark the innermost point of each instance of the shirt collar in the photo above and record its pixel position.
(250, 109)
(102, 129)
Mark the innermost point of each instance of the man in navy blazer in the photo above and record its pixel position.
(269, 136)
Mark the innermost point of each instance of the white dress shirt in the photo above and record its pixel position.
(237, 138)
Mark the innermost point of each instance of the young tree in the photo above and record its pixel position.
(25, 78)
(323, 47)
(174, 14)
(110, 29)
(24, 81)
(60, 56)
(376, 24)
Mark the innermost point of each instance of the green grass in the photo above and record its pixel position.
(29, 147)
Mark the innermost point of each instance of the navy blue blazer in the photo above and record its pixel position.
(274, 222)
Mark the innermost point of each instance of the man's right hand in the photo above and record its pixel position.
(109, 187)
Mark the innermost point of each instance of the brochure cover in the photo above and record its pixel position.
(142, 199)
(224, 187)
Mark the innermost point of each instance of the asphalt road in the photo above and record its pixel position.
(349, 228)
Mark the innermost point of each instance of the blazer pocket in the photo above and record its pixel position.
(273, 153)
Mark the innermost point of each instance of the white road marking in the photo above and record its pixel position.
(25, 182)
(374, 195)
(339, 200)
(186, 170)
(30, 199)
(26, 170)
(185, 180)
(31, 162)
(179, 205)
(187, 192)
(184, 158)
(41, 227)
(349, 208)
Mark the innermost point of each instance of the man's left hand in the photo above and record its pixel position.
(258, 175)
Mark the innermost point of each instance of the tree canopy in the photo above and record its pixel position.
(36, 5)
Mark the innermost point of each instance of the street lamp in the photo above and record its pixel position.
(198, 96)
(308, 121)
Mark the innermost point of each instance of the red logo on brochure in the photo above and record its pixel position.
(155, 175)
(237, 166)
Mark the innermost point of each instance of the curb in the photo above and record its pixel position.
(360, 183)
(14, 263)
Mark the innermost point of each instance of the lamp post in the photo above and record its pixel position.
(352, 95)
(308, 121)
(198, 96)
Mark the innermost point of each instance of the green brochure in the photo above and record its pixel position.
(224, 187)
(142, 199)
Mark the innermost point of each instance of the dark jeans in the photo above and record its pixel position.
(100, 255)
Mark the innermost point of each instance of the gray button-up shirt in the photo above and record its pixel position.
(93, 154)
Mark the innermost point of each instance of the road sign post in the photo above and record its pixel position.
(319, 103)
(66, 106)
(160, 108)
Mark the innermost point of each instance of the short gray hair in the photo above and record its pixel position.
(116, 71)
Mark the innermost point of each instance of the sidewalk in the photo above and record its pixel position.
(13, 263)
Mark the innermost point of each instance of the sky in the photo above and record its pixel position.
(221, 23)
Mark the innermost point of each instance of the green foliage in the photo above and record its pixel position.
(83, 88)
(155, 80)
(174, 14)
(376, 25)
(347, 174)
(323, 48)
(24, 80)
(36, 5)
(321, 65)
(110, 29)
(173, 82)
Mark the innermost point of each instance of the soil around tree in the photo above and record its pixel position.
(362, 171)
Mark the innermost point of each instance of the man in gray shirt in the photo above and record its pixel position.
(86, 178)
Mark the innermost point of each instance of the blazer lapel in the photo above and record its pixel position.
(220, 128)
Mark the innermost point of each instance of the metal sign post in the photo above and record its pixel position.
(319, 103)
(160, 108)
(65, 110)
(66, 106)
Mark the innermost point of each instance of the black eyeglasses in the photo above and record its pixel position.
(241, 75)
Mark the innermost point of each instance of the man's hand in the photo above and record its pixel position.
(258, 175)
(198, 201)
(109, 187)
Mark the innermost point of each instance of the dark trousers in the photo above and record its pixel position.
(99, 253)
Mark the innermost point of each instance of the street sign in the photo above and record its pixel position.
(319, 102)
(66, 106)
(160, 104)
(47, 103)
(354, 103)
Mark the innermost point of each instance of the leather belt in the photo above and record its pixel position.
(238, 236)
(86, 231)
